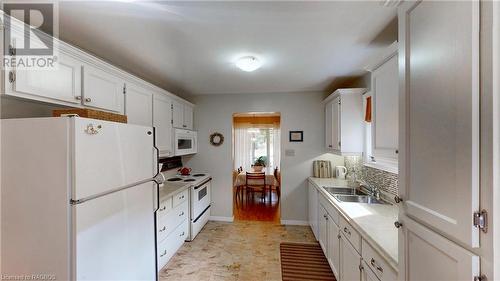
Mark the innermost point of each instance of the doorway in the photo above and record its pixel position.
(256, 166)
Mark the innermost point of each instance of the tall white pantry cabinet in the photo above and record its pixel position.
(443, 176)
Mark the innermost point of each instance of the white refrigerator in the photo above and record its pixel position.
(78, 199)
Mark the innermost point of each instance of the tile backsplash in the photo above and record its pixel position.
(385, 181)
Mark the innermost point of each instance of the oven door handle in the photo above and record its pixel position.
(196, 219)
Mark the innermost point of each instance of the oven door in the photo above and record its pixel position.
(200, 199)
(185, 142)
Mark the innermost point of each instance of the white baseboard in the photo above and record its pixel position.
(225, 219)
(294, 222)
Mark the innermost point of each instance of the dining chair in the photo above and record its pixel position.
(256, 182)
(277, 175)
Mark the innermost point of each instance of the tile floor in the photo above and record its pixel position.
(243, 250)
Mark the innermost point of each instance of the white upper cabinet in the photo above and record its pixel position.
(182, 115)
(385, 105)
(138, 105)
(62, 84)
(344, 121)
(102, 89)
(440, 181)
(162, 121)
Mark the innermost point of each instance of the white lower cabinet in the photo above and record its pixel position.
(333, 251)
(313, 209)
(323, 228)
(350, 261)
(172, 226)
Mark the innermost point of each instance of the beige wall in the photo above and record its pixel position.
(299, 111)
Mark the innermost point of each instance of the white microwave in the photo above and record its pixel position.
(185, 142)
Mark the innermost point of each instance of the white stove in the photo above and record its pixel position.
(200, 200)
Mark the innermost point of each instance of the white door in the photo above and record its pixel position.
(385, 82)
(349, 261)
(336, 123)
(162, 121)
(323, 229)
(138, 105)
(62, 83)
(113, 156)
(102, 90)
(188, 117)
(313, 209)
(439, 165)
(431, 257)
(178, 114)
(333, 246)
(115, 236)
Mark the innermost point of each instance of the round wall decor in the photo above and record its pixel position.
(216, 139)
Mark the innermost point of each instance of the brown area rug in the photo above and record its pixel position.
(304, 261)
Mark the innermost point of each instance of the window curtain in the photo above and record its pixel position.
(243, 145)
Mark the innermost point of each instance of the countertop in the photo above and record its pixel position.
(374, 222)
(168, 189)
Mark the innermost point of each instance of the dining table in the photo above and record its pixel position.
(271, 180)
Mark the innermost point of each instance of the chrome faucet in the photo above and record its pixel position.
(373, 190)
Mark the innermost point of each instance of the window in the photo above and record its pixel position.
(251, 143)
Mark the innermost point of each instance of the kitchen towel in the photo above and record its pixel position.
(322, 169)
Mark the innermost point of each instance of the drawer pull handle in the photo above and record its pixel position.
(398, 224)
(163, 229)
(163, 208)
(163, 254)
(182, 234)
(181, 214)
(372, 262)
(347, 231)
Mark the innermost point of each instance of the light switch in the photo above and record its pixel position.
(289, 152)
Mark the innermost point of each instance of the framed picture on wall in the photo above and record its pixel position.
(296, 136)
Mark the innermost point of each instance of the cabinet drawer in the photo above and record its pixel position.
(377, 264)
(351, 234)
(174, 217)
(165, 206)
(180, 197)
(170, 245)
(334, 214)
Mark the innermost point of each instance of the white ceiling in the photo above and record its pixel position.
(190, 47)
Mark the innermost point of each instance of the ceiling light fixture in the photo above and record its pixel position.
(248, 63)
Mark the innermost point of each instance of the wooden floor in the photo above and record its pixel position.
(246, 208)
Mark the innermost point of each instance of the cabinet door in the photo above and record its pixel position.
(102, 90)
(188, 117)
(162, 121)
(313, 209)
(63, 83)
(430, 256)
(333, 246)
(336, 123)
(138, 106)
(323, 229)
(439, 58)
(349, 262)
(328, 125)
(385, 84)
(177, 114)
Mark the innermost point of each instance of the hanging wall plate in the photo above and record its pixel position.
(216, 139)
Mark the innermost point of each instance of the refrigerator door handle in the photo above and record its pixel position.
(158, 178)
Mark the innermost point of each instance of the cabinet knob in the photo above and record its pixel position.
(360, 267)
(163, 254)
(374, 264)
(181, 214)
(78, 98)
(88, 99)
(330, 145)
(398, 199)
(182, 234)
(398, 224)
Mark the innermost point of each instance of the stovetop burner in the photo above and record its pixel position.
(198, 175)
(174, 179)
(189, 180)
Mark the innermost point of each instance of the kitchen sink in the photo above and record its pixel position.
(359, 199)
(343, 191)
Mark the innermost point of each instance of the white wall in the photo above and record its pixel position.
(299, 111)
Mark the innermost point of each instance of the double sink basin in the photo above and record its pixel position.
(352, 195)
